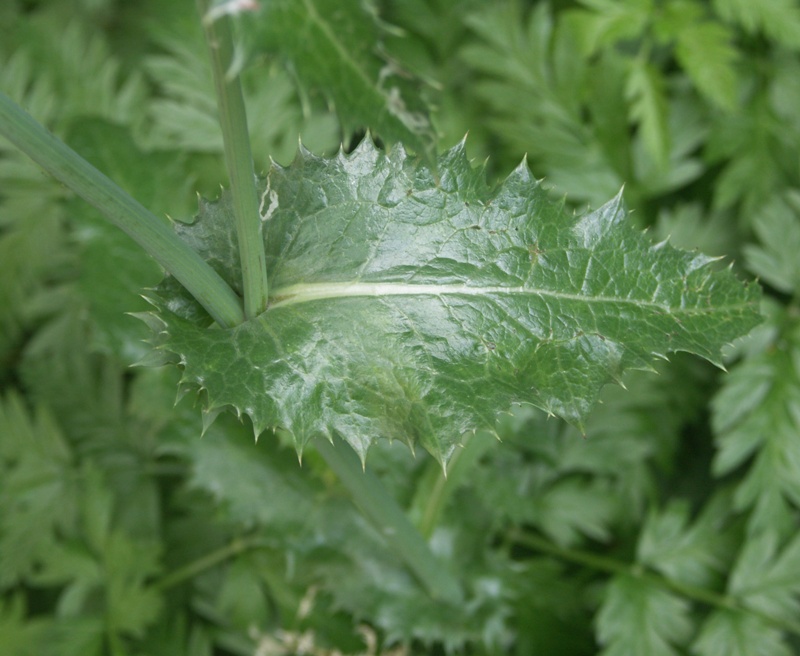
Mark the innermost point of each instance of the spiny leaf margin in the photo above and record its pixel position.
(415, 304)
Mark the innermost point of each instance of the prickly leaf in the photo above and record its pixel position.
(416, 305)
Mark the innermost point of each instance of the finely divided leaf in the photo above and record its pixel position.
(705, 52)
(692, 554)
(648, 108)
(756, 418)
(778, 228)
(777, 19)
(38, 493)
(736, 633)
(766, 580)
(413, 305)
(639, 618)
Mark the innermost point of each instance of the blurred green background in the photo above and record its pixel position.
(670, 529)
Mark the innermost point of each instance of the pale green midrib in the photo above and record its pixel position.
(307, 292)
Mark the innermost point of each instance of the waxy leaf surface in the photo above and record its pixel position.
(415, 305)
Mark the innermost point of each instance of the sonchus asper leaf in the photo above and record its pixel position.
(415, 305)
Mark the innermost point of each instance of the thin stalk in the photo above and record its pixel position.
(612, 566)
(151, 233)
(435, 490)
(377, 505)
(239, 161)
(204, 563)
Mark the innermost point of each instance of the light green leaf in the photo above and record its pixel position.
(21, 636)
(778, 229)
(638, 618)
(38, 494)
(766, 580)
(756, 419)
(85, 77)
(571, 508)
(777, 19)
(185, 114)
(103, 563)
(693, 554)
(414, 306)
(77, 636)
(615, 20)
(131, 605)
(705, 52)
(732, 633)
(758, 154)
(528, 61)
(241, 477)
(648, 108)
(692, 226)
(31, 230)
(784, 92)
(242, 600)
(348, 560)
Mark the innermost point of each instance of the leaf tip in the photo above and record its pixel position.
(366, 145)
(522, 173)
(154, 322)
(209, 416)
(303, 154)
(717, 361)
(153, 358)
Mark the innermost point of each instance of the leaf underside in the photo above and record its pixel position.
(415, 305)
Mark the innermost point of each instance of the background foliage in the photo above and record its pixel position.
(670, 529)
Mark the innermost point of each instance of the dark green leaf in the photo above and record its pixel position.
(335, 48)
(113, 269)
(413, 306)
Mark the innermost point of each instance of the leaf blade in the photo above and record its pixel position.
(411, 305)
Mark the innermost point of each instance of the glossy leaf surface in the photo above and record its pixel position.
(413, 305)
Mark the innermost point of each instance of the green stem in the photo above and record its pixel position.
(435, 489)
(377, 505)
(114, 641)
(239, 161)
(151, 233)
(192, 569)
(612, 566)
